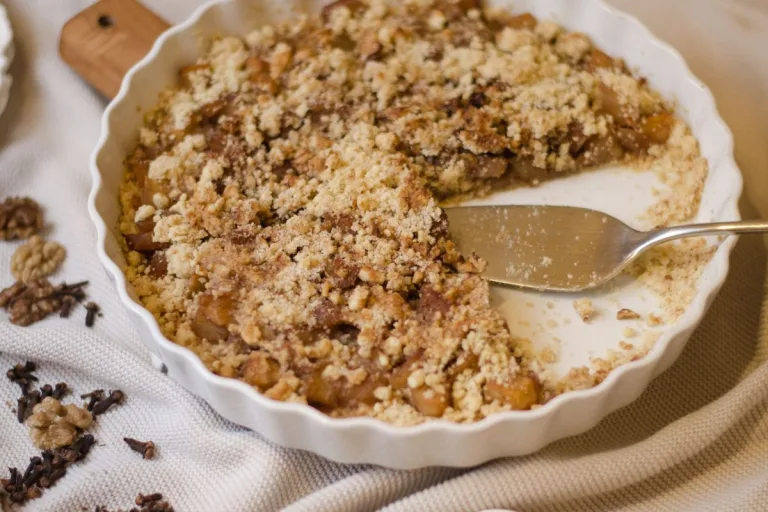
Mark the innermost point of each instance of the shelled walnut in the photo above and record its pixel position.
(28, 303)
(36, 258)
(20, 217)
(53, 425)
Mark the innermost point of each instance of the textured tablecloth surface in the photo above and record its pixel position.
(696, 440)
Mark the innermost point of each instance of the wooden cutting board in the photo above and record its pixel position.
(105, 40)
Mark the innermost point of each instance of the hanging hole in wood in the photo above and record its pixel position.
(105, 21)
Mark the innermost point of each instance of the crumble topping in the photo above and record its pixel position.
(584, 308)
(629, 333)
(281, 216)
(627, 314)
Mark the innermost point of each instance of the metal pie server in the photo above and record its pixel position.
(563, 248)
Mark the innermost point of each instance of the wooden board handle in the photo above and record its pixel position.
(104, 41)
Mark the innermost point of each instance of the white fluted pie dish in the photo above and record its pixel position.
(6, 57)
(365, 440)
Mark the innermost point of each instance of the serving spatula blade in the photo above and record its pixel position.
(563, 248)
(558, 248)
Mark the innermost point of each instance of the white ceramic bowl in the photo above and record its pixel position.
(364, 440)
(6, 56)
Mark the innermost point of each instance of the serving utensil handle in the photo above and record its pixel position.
(744, 227)
(105, 40)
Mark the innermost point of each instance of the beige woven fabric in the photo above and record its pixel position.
(696, 440)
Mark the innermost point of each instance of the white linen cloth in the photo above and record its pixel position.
(696, 440)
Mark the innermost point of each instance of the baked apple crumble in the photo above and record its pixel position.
(281, 215)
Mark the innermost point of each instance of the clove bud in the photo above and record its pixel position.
(147, 450)
(21, 374)
(145, 499)
(21, 409)
(92, 310)
(115, 397)
(46, 391)
(93, 397)
(60, 390)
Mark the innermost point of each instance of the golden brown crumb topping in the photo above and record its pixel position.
(280, 210)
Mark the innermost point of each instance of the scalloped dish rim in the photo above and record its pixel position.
(598, 394)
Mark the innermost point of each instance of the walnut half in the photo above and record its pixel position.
(28, 303)
(37, 258)
(20, 217)
(53, 425)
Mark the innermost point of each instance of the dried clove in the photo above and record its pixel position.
(22, 488)
(32, 493)
(147, 450)
(47, 461)
(92, 309)
(69, 455)
(46, 391)
(74, 290)
(156, 505)
(34, 461)
(93, 397)
(59, 390)
(33, 398)
(161, 506)
(58, 461)
(67, 303)
(27, 367)
(115, 397)
(48, 480)
(145, 499)
(21, 374)
(21, 409)
(56, 392)
(83, 445)
(34, 476)
(25, 404)
(44, 470)
(15, 477)
(147, 503)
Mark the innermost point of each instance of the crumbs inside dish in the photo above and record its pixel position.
(280, 210)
